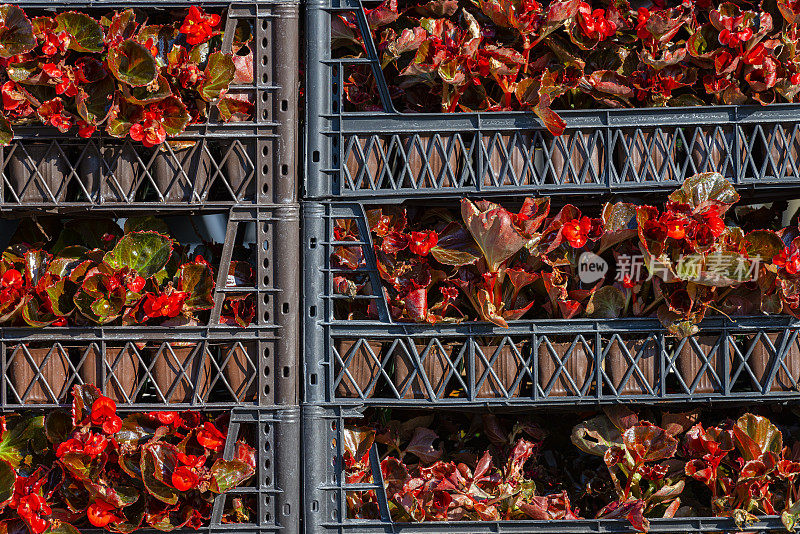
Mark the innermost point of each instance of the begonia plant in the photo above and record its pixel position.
(616, 464)
(96, 468)
(696, 257)
(124, 72)
(497, 55)
(95, 273)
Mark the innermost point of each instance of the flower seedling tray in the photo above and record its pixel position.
(355, 360)
(215, 163)
(387, 154)
(326, 491)
(238, 347)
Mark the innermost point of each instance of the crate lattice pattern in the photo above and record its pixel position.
(580, 159)
(199, 373)
(566, 367)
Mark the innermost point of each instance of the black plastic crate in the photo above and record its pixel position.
(554, 362)
(540, 361)
(215, 363)
(265, 238)
(150, 367)
(326, 490)
(390, 155)
(249, 162)
(273, 494)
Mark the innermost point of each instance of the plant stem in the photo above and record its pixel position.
(652, 304)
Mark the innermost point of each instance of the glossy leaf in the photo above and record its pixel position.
(16, 31)
(143, 252)
(176, 117)
(218, 75)
(756, 435)
(493, 230)
(197, 280)
(605, 303)
(6, 133)
(158, 462)
(595, 436)
(23, 434)
(455, 246)
(649, 443)
(227, 474)
(702, 190)
(132, 64)
(85, 33)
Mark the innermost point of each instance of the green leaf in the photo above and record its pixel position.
(123, 26)
(158, 462)
(119, 124)
(456, 247)
(7, 478)
(199, 54)
(143, 95)
(163, 39)
(16, 32)
(143, 252)
(62, 528)
(85, 33)
(234, 110)
(136, 428)
(87, 233)
(62, 297)
(82, 466)
(132, 63)
(143, 223)
(703, 189)
(218, 76)
(35, 314)
(227, 474)
(24, 433)
(176, 117)
(596, 435)
(243, 34)
(107, 308)
(762, 243)
(21, 72)
(57, 426)
(6, 133)
(95, 100)
(83, 398)
(198, 280)
(97, 302)
(605, 303)
(789, 520)
(133, 517)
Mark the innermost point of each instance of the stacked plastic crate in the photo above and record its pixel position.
(359, 160)
(230, 188)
